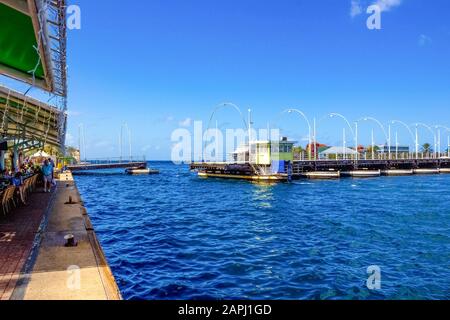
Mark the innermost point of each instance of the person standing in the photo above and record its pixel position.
(52, 163)
(17, 181)
(47, 172)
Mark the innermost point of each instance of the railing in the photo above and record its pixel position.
(114, 160)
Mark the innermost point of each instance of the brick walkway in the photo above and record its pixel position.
(17, 233)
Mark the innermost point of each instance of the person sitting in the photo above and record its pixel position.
(17, 181)
(6, 175)
(47, 172)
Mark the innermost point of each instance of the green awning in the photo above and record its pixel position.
(33, 43)
(18, 42)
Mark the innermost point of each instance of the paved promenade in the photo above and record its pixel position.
(17, 233)
(50, 270)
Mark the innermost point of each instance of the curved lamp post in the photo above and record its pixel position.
(290, 111)
(388, 137)
(417, 125)
(407, 127)
(219, 107)
(438, 127)
(355, 137)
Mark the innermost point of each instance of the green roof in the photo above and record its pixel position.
(18, 42)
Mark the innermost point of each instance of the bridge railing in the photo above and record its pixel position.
(114, 160)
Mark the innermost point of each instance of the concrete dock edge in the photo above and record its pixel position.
(57, 272)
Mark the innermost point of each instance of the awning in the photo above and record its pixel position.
(33, 43)
(338, 150)
(29, 122)
(40, 154)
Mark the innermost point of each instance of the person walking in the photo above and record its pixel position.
(47, 172)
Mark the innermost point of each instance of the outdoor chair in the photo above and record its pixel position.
(8, 201)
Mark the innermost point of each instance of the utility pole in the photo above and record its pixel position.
(417, 143)
(389, 143)
(345, 146)
(356, 141)
(373, 146)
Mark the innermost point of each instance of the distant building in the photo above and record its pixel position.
(315, 147)
(265, 152)
(394, 149)
(241, 155)
(337, 153)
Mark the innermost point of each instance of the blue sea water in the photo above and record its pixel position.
(175, 236)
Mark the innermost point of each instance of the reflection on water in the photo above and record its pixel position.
(175, 236)
(263, 195)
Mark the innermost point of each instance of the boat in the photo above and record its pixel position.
(141, 171)
(362, 173)
(398, 172)
(445, 170)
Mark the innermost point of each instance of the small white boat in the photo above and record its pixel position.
(362, 173)
(399, 172)
(141, 171)
(323, 175)
(426, 171)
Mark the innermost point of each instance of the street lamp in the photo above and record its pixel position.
(388, 138)
(216, 109)
(429, 129)
(355, 137)
(409, 130)
(290, 111)
(438, 127)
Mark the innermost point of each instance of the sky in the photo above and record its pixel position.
(160, 65)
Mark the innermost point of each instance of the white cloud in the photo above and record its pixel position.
(355, 8)
(424, 40)
(186, 122)
(386, 5)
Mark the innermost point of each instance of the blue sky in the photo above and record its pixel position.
(159, 64)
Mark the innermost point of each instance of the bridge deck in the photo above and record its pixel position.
(84, 167)
(300, 167)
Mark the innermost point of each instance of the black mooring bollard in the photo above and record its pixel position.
(70, 241)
